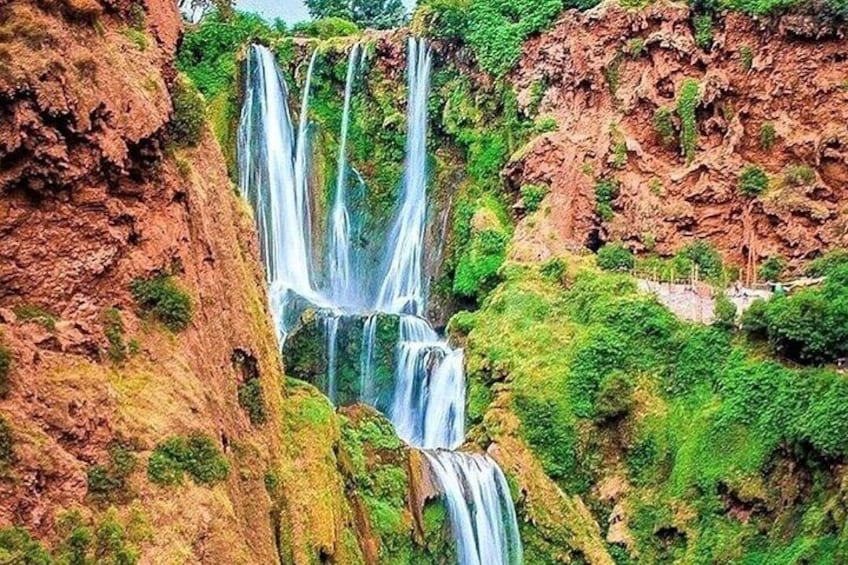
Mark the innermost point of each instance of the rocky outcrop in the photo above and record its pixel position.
(767, 97)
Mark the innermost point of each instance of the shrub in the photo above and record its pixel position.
(687, 103)
(768, 136)
(18, 547)
(636, 47)
(7, 452)
(754, 319)
(746, 56)
(703, 24)
(448, 19)
(326, 28)
(5, 364)
(533, 194)
(725, 313)
(615, 257)
(110, 481)
(476, 273)
(708, 260)
(251, 399)
(113, 328)
(752, 181)
(36, 314)
(614, 398)
(189, 117)
(545, 124)
(161, 297)
(831, 262)
(554, 270)
(606, 190)
(772, 268)
(799, 175)
(196, 455)
(664, 126)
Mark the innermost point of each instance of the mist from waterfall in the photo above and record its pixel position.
(428, 404)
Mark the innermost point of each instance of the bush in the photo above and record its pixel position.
(36, 314)
(799, 175)
(252, 400)
(606, 191)
(752, 181)
(189, 112)
(708, 260)
(614, 398)
(554, 270)
(725, 313)
(476, 273)
(664, 126)
(687, 103)
(703, 24)
(768, 136)
(809, 326)
(615, 257)
(448, 19)
(755, 319)
(196, 455)
(113, 328)
(110, 481)
(161, 297)
(831, 262)
(7, 452)
(18, 548)
(326, 28)
(533, 194)
(746, 56)
(5, 364)
(772, 268)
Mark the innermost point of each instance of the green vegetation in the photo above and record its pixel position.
(36, 314)
(615, 257)
(606, 191)
(379, 14)
(251, 399)
(799, 175)
(17, 546)
(197, 455)
(533, 194)
(325, 28)
(477, 270)
(161, 297)
(7, 451)
(109, 481)
(768, 136)
(753, 181)
(809, 325)
(687, 102)
(725, 313)
(113, 328)
(555, 270)
(703, 24)
(664, 126)
(600, 373)
(746, 55)
(772, 268)
(189, 113)
(5, 365)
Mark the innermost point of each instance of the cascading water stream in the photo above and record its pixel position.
(428, 405)
(273, 167)
(341, 284)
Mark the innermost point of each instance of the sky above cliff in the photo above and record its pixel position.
(291, 11)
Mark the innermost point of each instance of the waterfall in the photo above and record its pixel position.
(273, 167)
(480, 509)
(428, 404)
(340, 269)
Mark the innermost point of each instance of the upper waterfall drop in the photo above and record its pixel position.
(402, 289)
(273, 170)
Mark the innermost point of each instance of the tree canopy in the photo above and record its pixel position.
(380, 14)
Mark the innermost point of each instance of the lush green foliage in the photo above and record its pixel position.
(196, 455)
(687, 103)
(664, 126)
(109, 481)
(533, 194)
(477, 270)
(703, 24)
(772, 268)
(379, 14)
(753, 181)
(606, 191)
(725, 313)
(161, 297)
(809, 325)
(17, 546)
(615, 257)
(189, 117)
(599, 373)
(326, 28)
(705, 257)
(768, 136)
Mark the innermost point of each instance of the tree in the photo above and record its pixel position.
(380, 14)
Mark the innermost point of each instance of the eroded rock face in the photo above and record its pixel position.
(603, 75)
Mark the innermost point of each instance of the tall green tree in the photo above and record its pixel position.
(380, 14)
